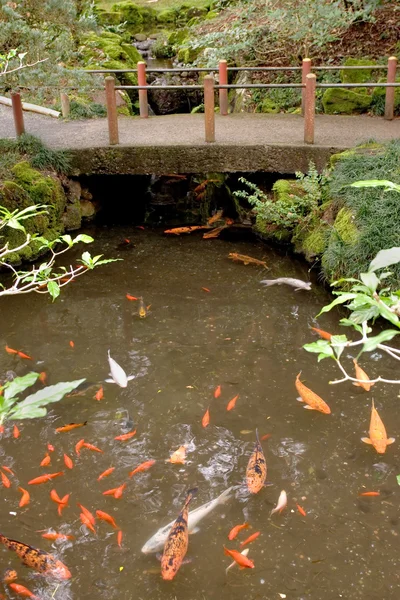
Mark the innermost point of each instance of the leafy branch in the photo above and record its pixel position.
(10, 56)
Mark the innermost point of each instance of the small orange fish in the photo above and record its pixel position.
(57, 536)
(55, 497)
(63, 504)
(72, 344)
(79, 446)
(44, 478)
(87, 513)
(99, 395)
(217, 391)
(22, 355)
(91, 447)
(231, 403)
(50, 447)
(256, 471)
(311, 399)
(250, 539)
(143, 467)
(25, 499)
(10, 575)
(125, 436)
(68, 462)
(214, 233)
(205, 289)
(216, 217)
(265, 437)
(206, 418)
(87, 522)
(370, 494)
(16, 432)
(239, 558)
(46, 461)
(105, 473)
(7, 470)
(119, 538)
(360, 374)
(324, 334)
(301, 510)
(107, 518)
(11, 350)
(247, 260)
(4, 479)
(131, 297)
(42, 377)
(116, 492)
(70, 427)
(235, 530)
(377, 433)
(21, 590)
(178, 457)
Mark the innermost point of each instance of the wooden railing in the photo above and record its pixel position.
(308, 88)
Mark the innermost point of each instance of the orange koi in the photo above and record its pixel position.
(231, 403)
(265, 437)
(377, 433)
(16, 432)
(44, 478)
(7, 470)
(70, 427)
(116, 492)
(22, 355)
(79, 446)
(107, 518)
(46, 461)
(106, 473)
(216, 217)
(119, 538)
(323, 334)
(256, 471)
(250, 539)
(217, 391)
(87, 522)
(88, 514)
(21, 590)
(91, 447)
(213, 233)
(63, 504)
(247, 260)
(55, 497)
(370, 494)
(177, 541)
(72, 344)
(25, 499)
(143, 467)
(50, 447)
(361, 374)
(311, 399)
(125, 436)
(41, 561)
(57, 536)
(205, 289)
(10, 575)
(68, 462)
(235, 530)
(206, 418)
(178, 457)
(239, 558)
(4, 480)
(301, 510)
(99, 395)
(131, 297)
(11, 350)
(179, 230)
(42, 377)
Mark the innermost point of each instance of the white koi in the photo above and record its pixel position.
(282, 502)
(117, 373)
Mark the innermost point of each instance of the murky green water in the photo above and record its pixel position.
(248, 340)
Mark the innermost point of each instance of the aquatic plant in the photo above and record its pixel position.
(32, 406)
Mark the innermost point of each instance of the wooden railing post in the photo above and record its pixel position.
(143, 103)
(223, 94)
(390, 91)
(111, 111)
(17, 113)
(65, 106)
(305, 70)
(209, 112)
(309, 109)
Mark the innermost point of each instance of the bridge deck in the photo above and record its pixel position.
(175, 143)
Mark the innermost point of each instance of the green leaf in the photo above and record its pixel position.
(67, 239)
(19, 384)
(385, 258)
(364, 314)
(320, 347)
(86, 239)
(54, 289)
(14, 224)
(344, 297)
(337, 342)
(398, 479)
(388, 185)
(384, 336)
(28, 408)
(349, 323)
(370, 280)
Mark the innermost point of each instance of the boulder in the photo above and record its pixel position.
(73, 189)
(344, 101)
(88, 209)
(356, 75)
(165, 102)
(72, 218)
(168, 15)
(140, 37)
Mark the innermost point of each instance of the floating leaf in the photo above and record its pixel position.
(19, 384)
(32, 406)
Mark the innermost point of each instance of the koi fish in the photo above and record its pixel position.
(266, 436)
(231, 404)
(179, 230)
(68, 462)
(282, 502)
(323, 334)
(63, 504)
(206, 418)
(244, 553)
(235, 530)
(10, 350)
(50, 447)
(247, 260)
(239, 558)
(116, 492)
(119, 538)
(88, 514)
(157, 541)
(4, 480)
(377, 433)
(72, 344)
(16, 432)
(7, 470)
(217, 391)
(10, 575)
(85, 521)
(178, 457)
(125, 436)
(57, 536)
(205, 289)
(25, 499)
(21, 590)
(23, 355)
(70, 427)
(370, 494)
(42, 377)
(301, 510)
(216, 217)
(131, 297)
(143, 467)
(117, 373)
(250, 539)
(177, 541)
(256, 472)
(311, 399)
(106, 473)
(46, 461)
(214, 232)
(91, 447)
(142, 310)
(44, 478)
(99, 394)
(298, 284)
(79, 446)
(361, 374)
(41, 561)
(107, 518)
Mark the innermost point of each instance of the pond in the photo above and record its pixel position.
(248, 340)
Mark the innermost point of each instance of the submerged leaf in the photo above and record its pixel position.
(32, 405)
(19, 384)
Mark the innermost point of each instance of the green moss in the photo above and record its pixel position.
(168, 15)
(109, 51)
(130, 12)
(188, 55)
(285, 189)
(269, 106)
(178, 36)
(212, 14)
(356, 75)
(343, 101)
(345, 227)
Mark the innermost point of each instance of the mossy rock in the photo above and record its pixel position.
(285, 189)
(149, 15)
(178, 37)
(162, 48)
(188, 55)
(271, 231)
(109, 17)
(168, 15)
(196, 11)
(356, 75)
(269, 106)
(345, 227)
(311, 239)
(212, 14)
(109, 51)
(343, 101)
(367, 149)
(130, 12)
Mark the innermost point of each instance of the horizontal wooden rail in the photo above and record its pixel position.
(254, 69)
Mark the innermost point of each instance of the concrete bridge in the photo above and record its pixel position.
(175, 143)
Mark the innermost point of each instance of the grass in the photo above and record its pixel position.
(159, 5)
(28, 147)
